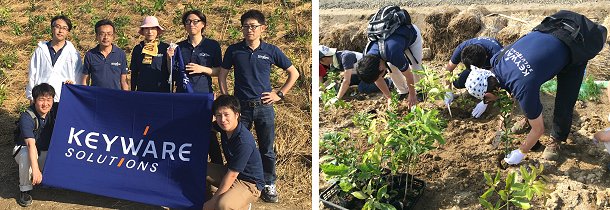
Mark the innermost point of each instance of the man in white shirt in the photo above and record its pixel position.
(55, 61)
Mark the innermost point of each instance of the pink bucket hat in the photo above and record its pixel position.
(150, 21)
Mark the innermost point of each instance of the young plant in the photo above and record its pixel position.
(516, 193)
(329, 93)
(505, 103)
(431, 84)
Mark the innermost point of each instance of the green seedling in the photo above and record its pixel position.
(513, 192)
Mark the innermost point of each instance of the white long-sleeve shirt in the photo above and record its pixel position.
(67, 67)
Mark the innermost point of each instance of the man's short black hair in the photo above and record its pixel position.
(368, 68)
(474, 55)
(198, 13)
(43, 89)
(64, 18)
(253, 14)
(227, 101)
(104, 22)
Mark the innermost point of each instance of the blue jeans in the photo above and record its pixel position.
(263, 117)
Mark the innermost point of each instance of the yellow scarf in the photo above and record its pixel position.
(149, 50)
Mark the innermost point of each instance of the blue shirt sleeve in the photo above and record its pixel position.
(26, 125)
(227, 61)
(348, 60)
(530, 103)
(456, 57)
(280, 59)
(241, 155)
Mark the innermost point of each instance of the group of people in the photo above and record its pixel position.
(250, 170)
(559, 47)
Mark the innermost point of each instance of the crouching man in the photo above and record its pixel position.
(30, 152)
(239, 182)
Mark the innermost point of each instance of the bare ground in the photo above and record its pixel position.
(454, 172)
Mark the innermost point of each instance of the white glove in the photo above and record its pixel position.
(514, 157)
(608, 117)
(449, 98)
(333, 100)
(479, 109)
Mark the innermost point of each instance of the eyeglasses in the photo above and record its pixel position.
(250, 27)
(105, 34)
(194, 22)
(58, 27)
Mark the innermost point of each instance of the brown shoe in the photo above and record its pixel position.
(551, 152)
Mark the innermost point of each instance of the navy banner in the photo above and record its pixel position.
(145, 147)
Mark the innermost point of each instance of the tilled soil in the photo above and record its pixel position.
(454, 171)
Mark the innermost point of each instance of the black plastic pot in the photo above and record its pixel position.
(334, 198)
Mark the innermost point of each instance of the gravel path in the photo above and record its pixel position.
(371, 4)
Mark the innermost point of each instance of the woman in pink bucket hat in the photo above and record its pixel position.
(148, 65)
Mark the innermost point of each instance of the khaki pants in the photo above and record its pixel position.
(239, 196)
(25, 169)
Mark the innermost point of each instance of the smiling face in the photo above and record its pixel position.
(193, 25)
(60, 30)
(227, 119)
(43, 104)
(150, 33)
(252, 29)
(105, 35)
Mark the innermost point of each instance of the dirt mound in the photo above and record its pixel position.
(350, 36)
(493, 25)
(435, 32)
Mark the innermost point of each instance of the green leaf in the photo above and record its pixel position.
(382, 191)
(521, 203)
(529, 194)
(497, 179)
(488, 192)
(387, 206)
(524, 173)
(510, 180)
(503, 195)
(485, 203)
(488, 180)
(334, 170)
(360, 195)
(345, 185)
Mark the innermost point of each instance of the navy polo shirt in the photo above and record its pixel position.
(54, 55)
(149, 77)
(45, 128)
(208, 54)
(531, 61)
(105, 71)
(395, 46)
(348, 59)
(242, 155)
(491, 45)
(253, 68)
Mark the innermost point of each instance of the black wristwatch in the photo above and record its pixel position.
(280, 94)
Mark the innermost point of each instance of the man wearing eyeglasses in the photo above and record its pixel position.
(55, 61)
(252, 59)
(106, 64)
